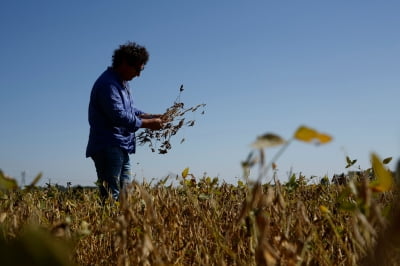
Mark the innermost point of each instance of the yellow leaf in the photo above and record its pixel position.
(323, 138)
(384, 179)
(324, 209)
(305, 134)
(185, 172)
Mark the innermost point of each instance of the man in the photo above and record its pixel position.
(114, 119)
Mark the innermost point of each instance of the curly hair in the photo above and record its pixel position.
(132, 53)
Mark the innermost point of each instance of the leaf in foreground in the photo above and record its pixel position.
(268, 140)
(185, 172)
(306, 134)
(384, 179)
(7, 183)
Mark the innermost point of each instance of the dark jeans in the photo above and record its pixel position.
(113, 171)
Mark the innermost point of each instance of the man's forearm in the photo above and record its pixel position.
(150, 116)
(152, 123)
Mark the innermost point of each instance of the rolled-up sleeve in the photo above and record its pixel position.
(137, 111)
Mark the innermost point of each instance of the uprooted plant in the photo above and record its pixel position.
(174, 119)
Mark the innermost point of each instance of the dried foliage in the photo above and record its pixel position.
(201, 222)
(175, 118)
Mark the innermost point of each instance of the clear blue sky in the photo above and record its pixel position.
(260, 66)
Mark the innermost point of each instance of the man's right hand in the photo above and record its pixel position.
(153, 123)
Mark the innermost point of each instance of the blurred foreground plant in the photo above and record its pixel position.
(203, 221)
(268, 140)
(363, 215)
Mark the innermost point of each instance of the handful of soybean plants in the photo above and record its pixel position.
(174, 119)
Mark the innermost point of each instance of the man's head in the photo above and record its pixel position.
(129, 60)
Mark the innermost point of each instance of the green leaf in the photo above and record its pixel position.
(350, 162)
(7, 183)
(268, 140)
(387, 160)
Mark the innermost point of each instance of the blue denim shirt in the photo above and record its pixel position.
(113, 118)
